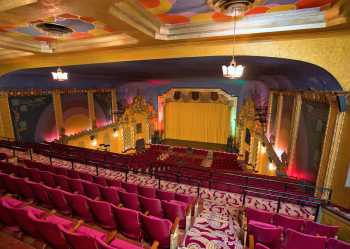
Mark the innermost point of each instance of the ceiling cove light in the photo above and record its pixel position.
(59, 75)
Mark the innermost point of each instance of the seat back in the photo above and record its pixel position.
(48, 178)
(100, 180)
(79, 205)
(297, 240)
(148, 192)
(35, 175)
(40, 193)
(165, 195)
(86, 176)
(261, 246)
(184, 198)
(5, 214)
(102, 212)
(259, 215)
(62, 181)
(76, 185)
(110, 194)
(92, 189)
(153, 206)
(337, 244)
(61, 171)
(24, 188)
(10, 184)
(157, 229)
(130, 187)
(78, 241)
(128, 222)
(25, 223)
(266, 234)
(59, 200)
(130, 200)
(288, 222)
(173, 210)
(50, 233)
(114, 183)
(314, 228)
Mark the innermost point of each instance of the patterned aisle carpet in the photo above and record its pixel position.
(231, 200)
(215, 227)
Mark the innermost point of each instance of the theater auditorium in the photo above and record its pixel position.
(174, 124)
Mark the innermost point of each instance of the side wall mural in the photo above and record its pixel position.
(33, 118)
(75, 113)
(103, 109)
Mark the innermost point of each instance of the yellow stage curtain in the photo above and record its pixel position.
(201, 122)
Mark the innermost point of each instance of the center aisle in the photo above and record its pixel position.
(215, 227)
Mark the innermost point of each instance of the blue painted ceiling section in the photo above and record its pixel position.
(273, 72)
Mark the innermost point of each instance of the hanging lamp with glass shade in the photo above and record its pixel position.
(59, 75)
(233, 70)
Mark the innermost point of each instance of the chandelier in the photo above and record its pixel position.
(233, 70)
(59, 75)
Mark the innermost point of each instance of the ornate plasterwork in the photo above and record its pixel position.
(133, 13)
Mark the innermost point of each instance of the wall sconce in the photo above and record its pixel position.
(272, 166)
(93, 140)
(115, 132)
(263, 148)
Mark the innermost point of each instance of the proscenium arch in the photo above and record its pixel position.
(328, 50)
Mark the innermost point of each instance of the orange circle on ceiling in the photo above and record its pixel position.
(303, 4)
(219, 17)
(173, 19)
(150, 3)
(257, 10)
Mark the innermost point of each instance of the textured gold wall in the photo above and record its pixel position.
(341, 193)
(330, 50)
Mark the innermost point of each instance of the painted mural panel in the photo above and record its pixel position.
(75, 113)
(33, 118)
(312, 128)
(103, 108)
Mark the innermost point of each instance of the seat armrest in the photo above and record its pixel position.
(188, 218)
(77, 225)
(146, 213)
(155, 245)
(174, 234)
(111, 236)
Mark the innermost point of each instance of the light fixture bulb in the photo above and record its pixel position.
(59, 75)
(272, 166)
(115, 133)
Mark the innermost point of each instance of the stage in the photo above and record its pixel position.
(196, 145)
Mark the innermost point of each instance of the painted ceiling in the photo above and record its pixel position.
(191, 11)
(82, 27)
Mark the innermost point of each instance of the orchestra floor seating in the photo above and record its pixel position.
(101, 193)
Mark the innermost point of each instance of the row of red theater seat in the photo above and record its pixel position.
(172, 204)
(106, 214)
(56, 231)
(278, 231)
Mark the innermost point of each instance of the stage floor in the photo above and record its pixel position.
(196, 145)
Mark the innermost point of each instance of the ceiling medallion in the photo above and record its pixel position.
(230, 7)
(54, 29)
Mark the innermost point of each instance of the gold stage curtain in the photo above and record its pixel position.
(201, 122)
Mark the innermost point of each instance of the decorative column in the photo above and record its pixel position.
(57, 105)
(114, 105)
(6, 126)
(295, 127)
(233, 117)
(278, 117)
(91, 105)
(327, 145)
(337, 137)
